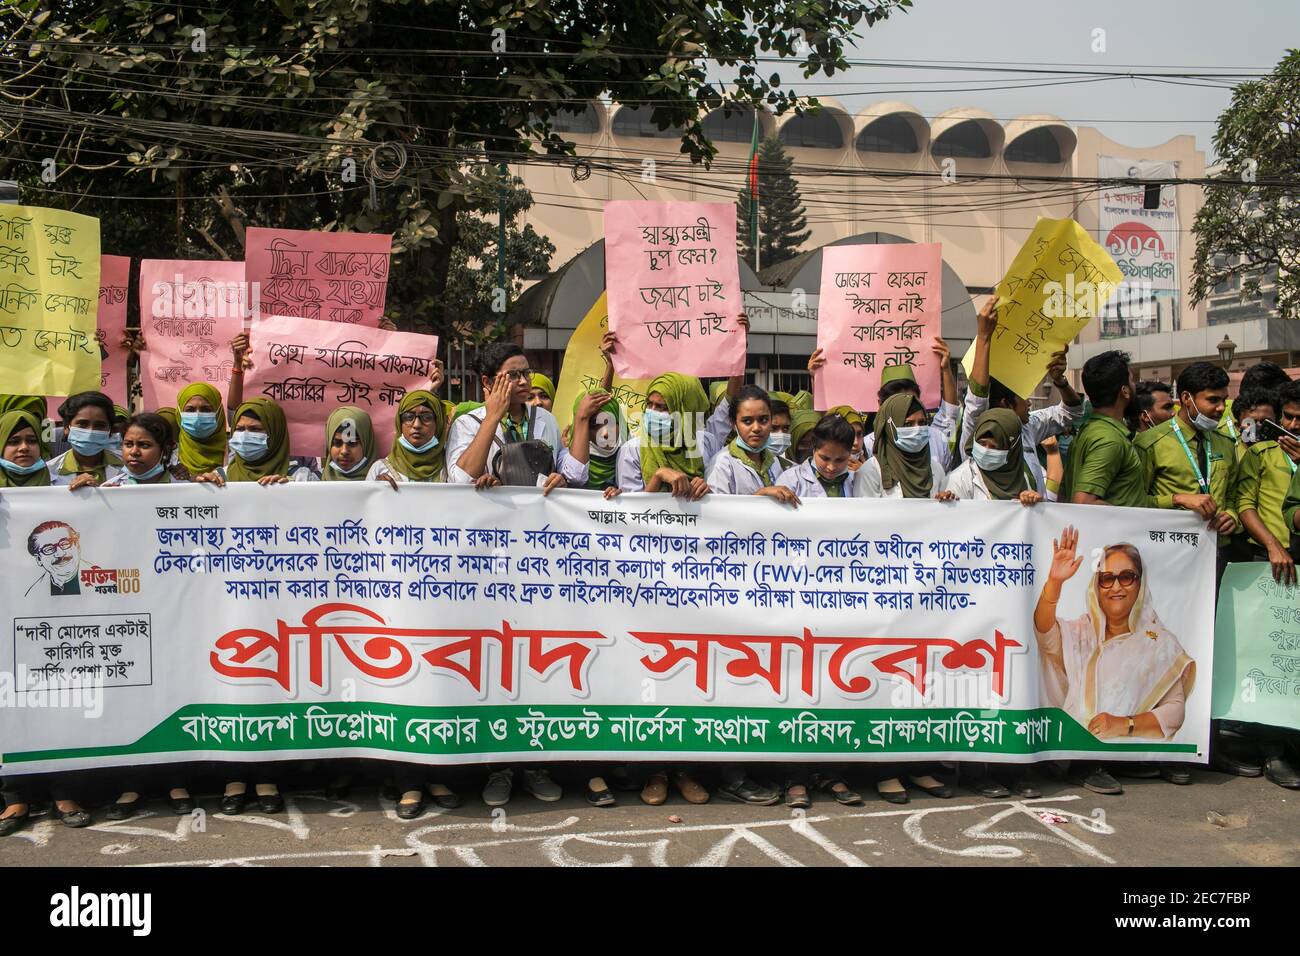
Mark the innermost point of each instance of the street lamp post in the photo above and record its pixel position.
(1227, 349)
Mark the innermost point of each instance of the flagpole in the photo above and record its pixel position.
(758, 228)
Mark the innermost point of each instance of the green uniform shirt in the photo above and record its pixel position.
(1103, 462)
(1262, 484)
(1169, 472)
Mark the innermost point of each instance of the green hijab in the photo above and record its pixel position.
(464, 407)
(782, 397)
(689, 404)
(848, 413)
(602, 472)
(365, 431)
(200, 455)
(276, 460)
(1005, 428)
(426, 466)
(545, 384)
(801, 399)
(911, 470)
(802, 421)
(33, 405)
(173, 420)
(717, 391)
(10, 422)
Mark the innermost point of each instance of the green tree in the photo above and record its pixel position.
(1250, 225)
(781, 218)
(369, 115)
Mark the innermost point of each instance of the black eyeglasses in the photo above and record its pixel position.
(1107, 579)
(63, 544)
(424, 418)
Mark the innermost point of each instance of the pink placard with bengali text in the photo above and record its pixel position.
(879, 305)
(311, 368)
(674, 288)
(329, 276)
(190, 309)
(110, 323)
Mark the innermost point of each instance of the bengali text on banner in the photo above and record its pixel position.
(312, 367)
(673, 282)
(440, 624)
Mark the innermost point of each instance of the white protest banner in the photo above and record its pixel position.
(312, 367)
(439, 624)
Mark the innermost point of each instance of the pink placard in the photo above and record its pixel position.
(674, 288)
(110, 323)
(190, 309)
(331, 276)
(311, 368)
(880, 305)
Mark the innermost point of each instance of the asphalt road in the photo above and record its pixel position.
(1153, 824)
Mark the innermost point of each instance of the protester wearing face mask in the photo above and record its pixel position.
(900, 378)
(987, 392)
(996, 469)
(674, 448)
(778, 441)
(147, 448)
(202, 428)
(21, 464)
(259, 446)
(901, 466)
(90, 460)
(748, 465)
(802, 423)
(1187, 462)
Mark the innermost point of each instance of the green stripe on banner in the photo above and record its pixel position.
(568, 729)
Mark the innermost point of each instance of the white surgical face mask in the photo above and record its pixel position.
(988, 459)
(912, 438)
(347, 471)
(778, 443)
(604, 440)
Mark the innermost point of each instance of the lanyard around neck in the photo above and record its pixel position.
(1201, 479)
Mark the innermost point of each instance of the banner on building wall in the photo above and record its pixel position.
(439, 624)
(1143, 242)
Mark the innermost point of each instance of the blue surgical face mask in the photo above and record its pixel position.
(250, 446)
(658, 426)
(912, 438)
(347, 471)
(15, 469)
(746, 449)
(198, 424)
(431, 444)
(153, 472)
(988, 459)
(88, 441)
(778, 443)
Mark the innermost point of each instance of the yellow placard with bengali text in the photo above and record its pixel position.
(49, 300)
(584, 367)
(1059, 281)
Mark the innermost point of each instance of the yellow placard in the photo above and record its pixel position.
(584, 367)
(49, 300)
(1059, 281)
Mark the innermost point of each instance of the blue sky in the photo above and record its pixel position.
(1141, 35)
